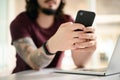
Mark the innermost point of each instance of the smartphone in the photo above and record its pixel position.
(85, 17)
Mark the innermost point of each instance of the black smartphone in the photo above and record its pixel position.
(85, 17)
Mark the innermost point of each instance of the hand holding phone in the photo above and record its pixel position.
(86, 18)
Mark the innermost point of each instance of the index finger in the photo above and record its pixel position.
(77, 26)
(89, 29)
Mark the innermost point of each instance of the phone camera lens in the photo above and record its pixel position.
(81, 13)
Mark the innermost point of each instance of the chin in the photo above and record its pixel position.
(48, 11)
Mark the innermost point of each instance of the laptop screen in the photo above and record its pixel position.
(103, 53)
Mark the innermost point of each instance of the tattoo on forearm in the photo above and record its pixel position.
(40, 59)
(26, 47)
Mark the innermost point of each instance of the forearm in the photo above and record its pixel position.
(33, 56)
(40, 59)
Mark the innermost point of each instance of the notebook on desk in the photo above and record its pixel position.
(112, 68)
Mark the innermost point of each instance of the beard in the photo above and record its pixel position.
(48, 11)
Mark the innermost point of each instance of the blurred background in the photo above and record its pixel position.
(107, 24)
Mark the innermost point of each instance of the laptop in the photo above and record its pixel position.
(112, 68)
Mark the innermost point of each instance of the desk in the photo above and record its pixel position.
(48, 74)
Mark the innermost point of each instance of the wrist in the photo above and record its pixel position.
(46, 49)
(51, 47)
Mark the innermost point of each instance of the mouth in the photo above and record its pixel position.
(50, 1)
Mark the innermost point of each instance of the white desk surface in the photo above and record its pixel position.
(48, 74)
